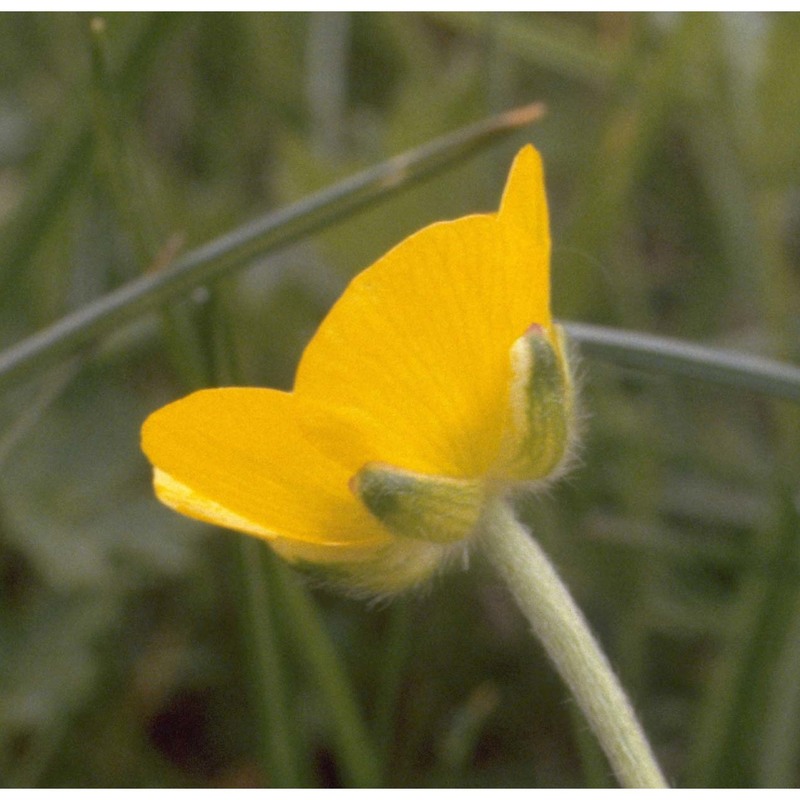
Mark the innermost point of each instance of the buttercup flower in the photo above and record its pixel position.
(437, 379)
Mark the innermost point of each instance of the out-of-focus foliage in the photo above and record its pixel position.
(672, 148)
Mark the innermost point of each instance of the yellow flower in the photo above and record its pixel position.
(436, 378)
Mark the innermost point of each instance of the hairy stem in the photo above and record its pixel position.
(562, 629)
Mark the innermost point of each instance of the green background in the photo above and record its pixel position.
(672, 149)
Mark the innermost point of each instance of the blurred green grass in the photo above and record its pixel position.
(671, 148)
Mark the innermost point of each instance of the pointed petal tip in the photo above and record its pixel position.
(524, 195)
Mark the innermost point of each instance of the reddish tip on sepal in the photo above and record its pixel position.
(535, 329)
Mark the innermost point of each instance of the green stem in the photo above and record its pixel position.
(269, 688)
(353, 742)
(327, 53)
(395, 652)
(566, 637)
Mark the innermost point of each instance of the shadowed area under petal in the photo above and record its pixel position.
(236, 457)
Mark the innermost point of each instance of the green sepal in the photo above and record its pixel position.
(541, 424)
(416, 506)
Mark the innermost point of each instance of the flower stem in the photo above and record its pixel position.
(566, 637)
(278, 746)
(321, 661)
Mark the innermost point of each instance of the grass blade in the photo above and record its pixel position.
(62, 170)
(661, 354)
(262, 235)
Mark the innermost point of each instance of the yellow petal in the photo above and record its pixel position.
(237, 458)
(379, 567)
(415, 354)
(524, 207)
(411, 368)
(187, 501)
